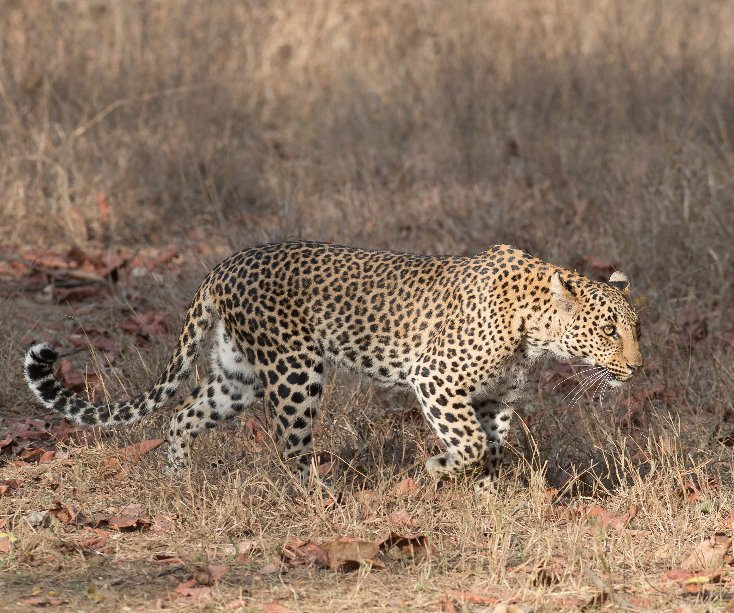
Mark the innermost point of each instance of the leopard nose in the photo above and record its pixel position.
(634, 367)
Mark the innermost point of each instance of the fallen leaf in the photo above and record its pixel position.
(402, 518)
(406, 546)
(98, 541)
(78, 292)
(73, 379)
(167, 558)
(471, 597)
(709, 554)
(41, 601)
(445, 605)
(608, 519)
(98, 340)
(407, 487)
(109, 467)
(212, 574)
(275, 607)
(129, 516)
(349, 554)
(6, 541)
(190, 590)
(304, 552)
(146, 325)
(8, 484)
(46, 456)
(133, 453)
(66, 514)
(162, 524)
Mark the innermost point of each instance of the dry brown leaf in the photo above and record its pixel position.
(46, 456)
(298, 552)
(8, 484)
(67, 514)
(609, 519)
(471, 597)
(98, 541)
(129, 516)
(402, 518)
(445, 605)
(133, 453)
(98, 340)
(166, 558)
(191, 590)
(406, 546)
(43, 601)
(145, 325)
(79, 293)
(162, 524)
(348, 554)
(692, 576)
(407, 487)
(5, 545)
(275, 607)
(109, 467)
(709, 554)
(73, 379)
(212, 574)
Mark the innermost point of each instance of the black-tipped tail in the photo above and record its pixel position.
(39, 373)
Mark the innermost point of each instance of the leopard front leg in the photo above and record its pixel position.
(450, 413)
(495, 419)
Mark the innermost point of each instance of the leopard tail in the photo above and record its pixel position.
(39, 374)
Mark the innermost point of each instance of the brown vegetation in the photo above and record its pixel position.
(142, 141)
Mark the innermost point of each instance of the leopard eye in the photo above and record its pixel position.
(638, 331)
(610, 331)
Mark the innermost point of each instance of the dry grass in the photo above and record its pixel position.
(566, 129)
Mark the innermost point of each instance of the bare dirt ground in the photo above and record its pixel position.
(144, 141)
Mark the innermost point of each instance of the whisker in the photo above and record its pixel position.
(581, 385)
(574, 375)
(604, 388)
(589, 383)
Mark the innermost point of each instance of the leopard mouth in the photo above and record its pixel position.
(615, 378)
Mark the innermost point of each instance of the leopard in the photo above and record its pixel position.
(461, 333)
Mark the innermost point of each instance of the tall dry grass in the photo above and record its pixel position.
(557, 125)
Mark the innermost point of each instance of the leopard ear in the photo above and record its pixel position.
(563, 294)
(620, 281)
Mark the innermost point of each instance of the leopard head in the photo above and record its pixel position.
(598, 324)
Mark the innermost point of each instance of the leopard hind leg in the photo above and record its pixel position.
(230, 388)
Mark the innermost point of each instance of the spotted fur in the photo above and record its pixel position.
(461, 333)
